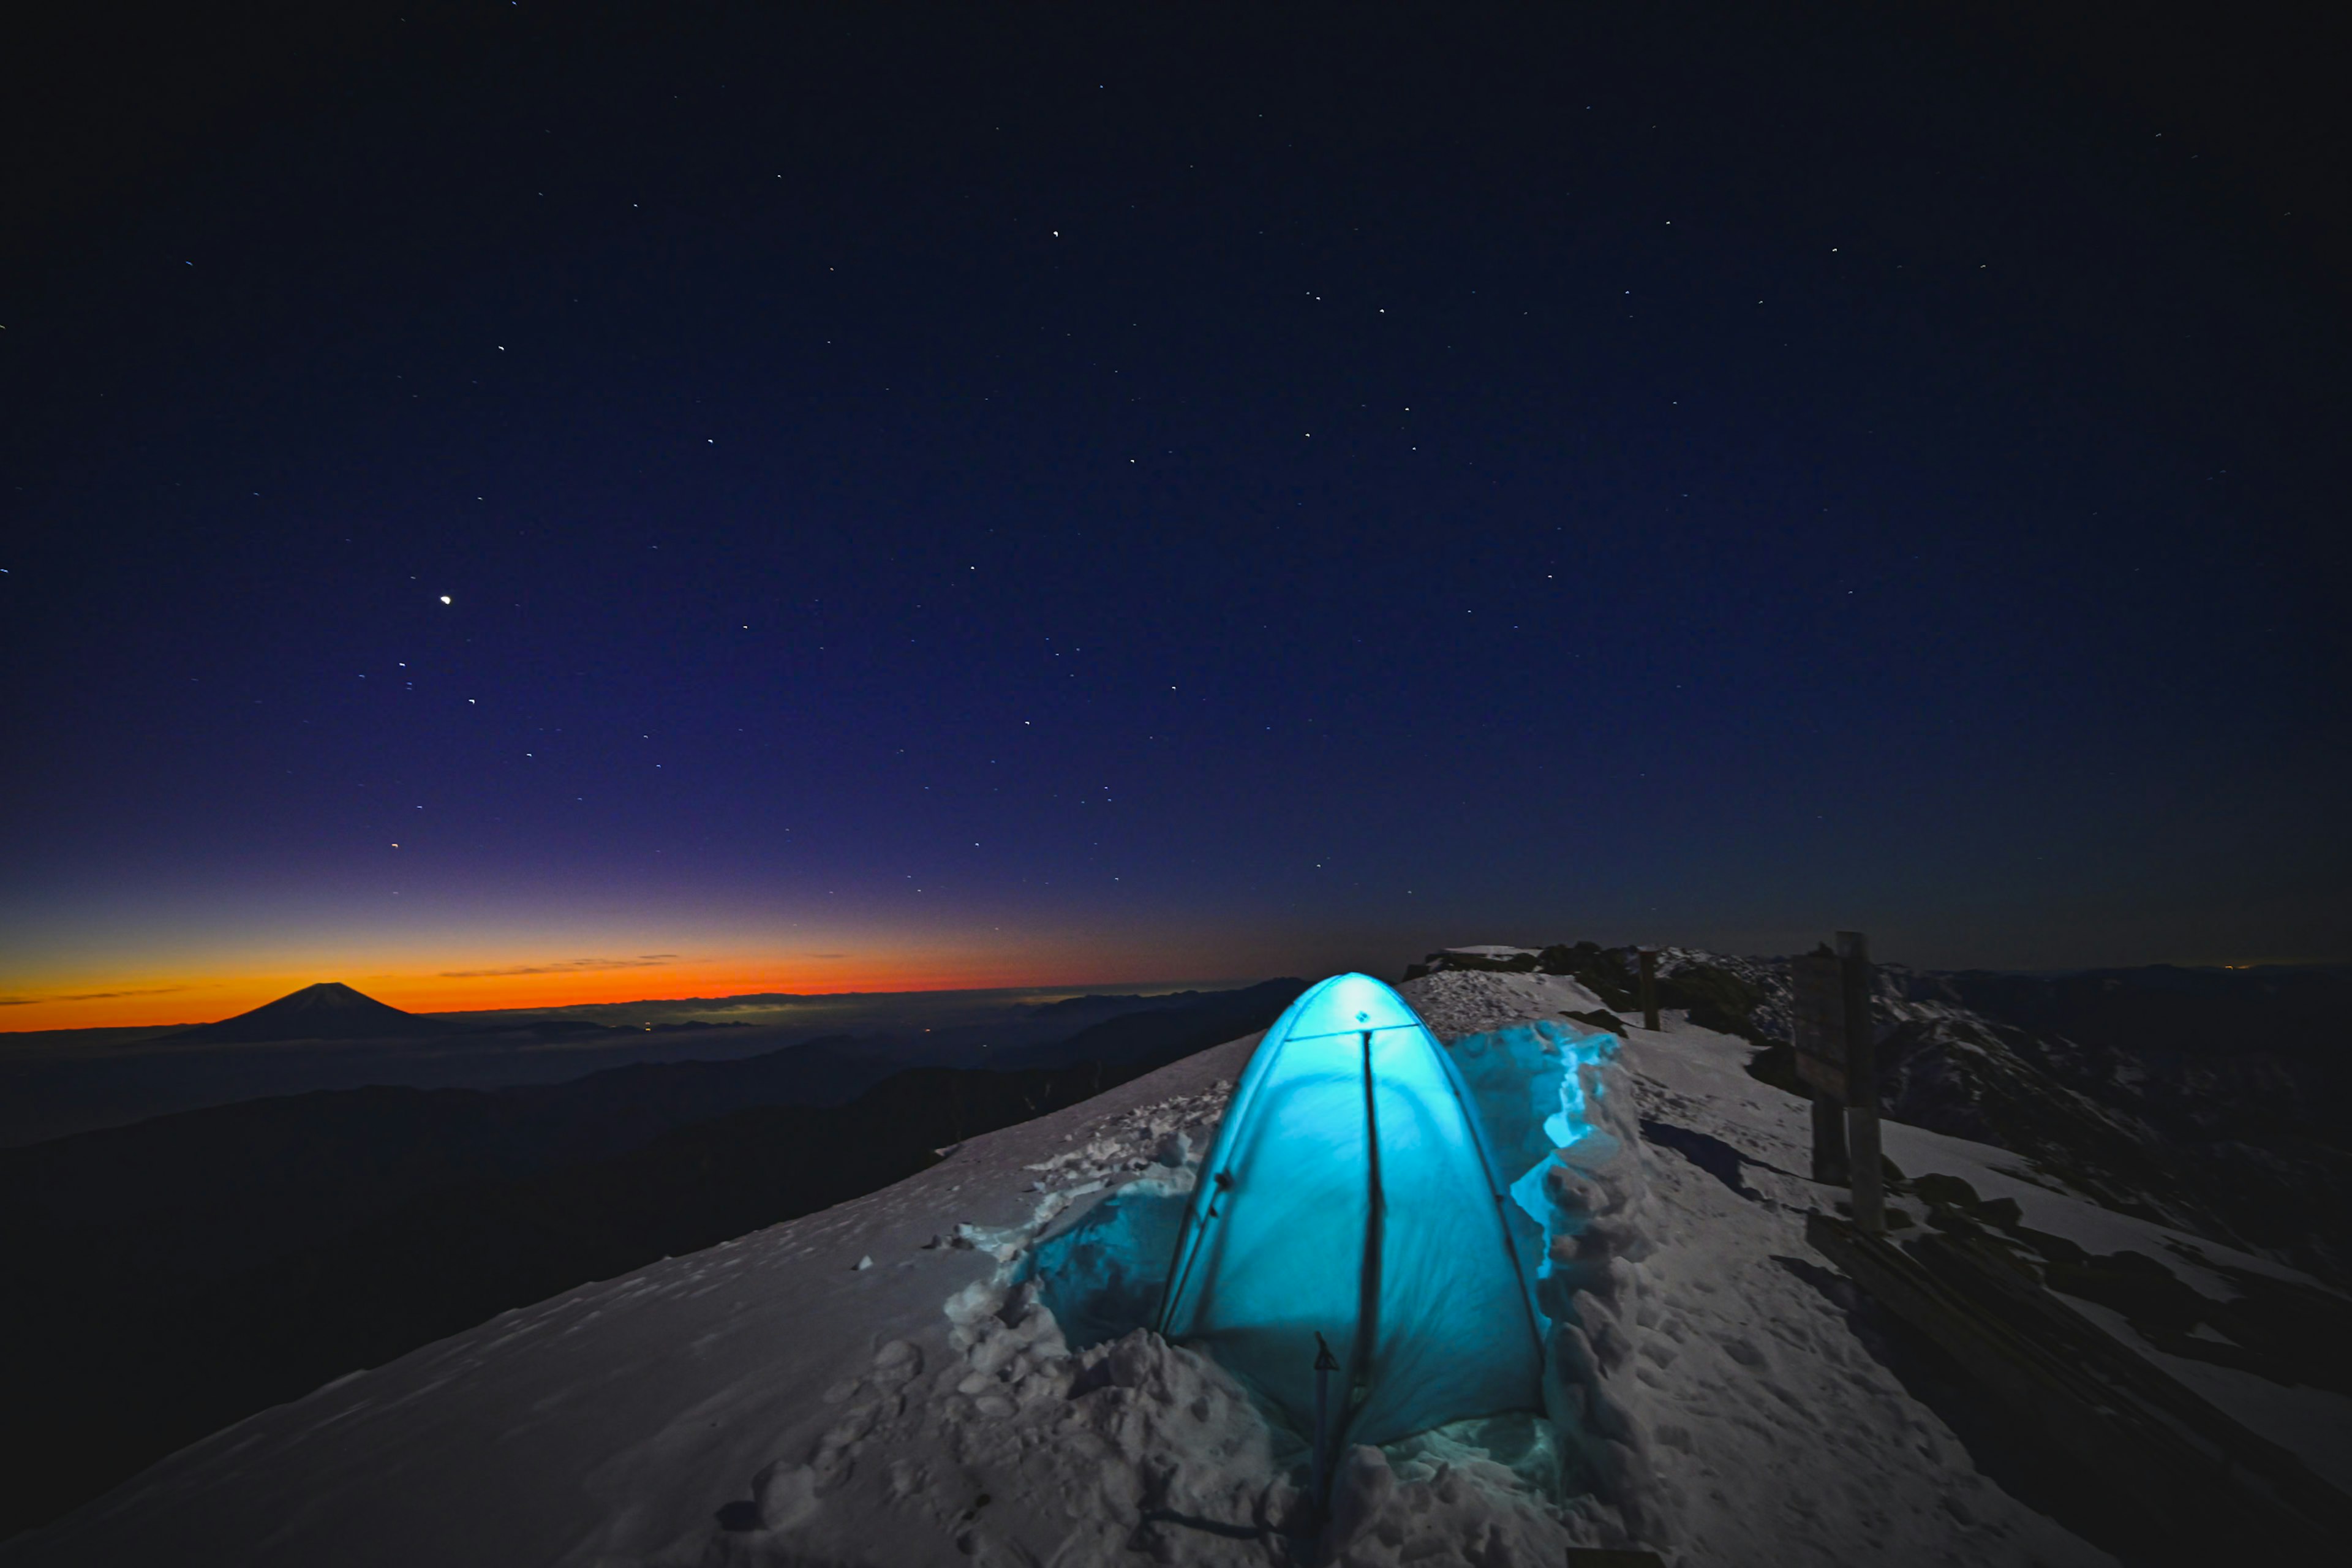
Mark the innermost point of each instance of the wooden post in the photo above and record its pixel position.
(1861, 1083)
(1648, 989)
(1829, 1139)
(1817, 986)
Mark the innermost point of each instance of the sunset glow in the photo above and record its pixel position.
(140, 1001)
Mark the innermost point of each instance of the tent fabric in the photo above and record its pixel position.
(1351, 1192)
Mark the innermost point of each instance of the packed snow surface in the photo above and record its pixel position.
(881, 1384)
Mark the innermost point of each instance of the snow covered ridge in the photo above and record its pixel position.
(2197, 1109)
(879, 1384)
(882, 1384)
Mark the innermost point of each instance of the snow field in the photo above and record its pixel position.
(1008, 1447)
(661, 1417)
(1772, 1435)
(881, 1385)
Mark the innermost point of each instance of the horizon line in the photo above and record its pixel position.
(1074, 987)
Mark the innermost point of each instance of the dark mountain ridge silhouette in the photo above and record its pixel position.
(203, 1194)
(330, 1010)
(1158, 1023)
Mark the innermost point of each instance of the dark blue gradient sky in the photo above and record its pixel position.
(1038, 495)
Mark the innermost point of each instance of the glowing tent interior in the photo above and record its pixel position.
(1350, 1193)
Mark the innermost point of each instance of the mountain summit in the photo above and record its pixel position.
(327, 1011)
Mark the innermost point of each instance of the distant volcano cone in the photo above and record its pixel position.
(328, 1010)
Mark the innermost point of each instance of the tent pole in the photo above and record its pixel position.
(1368, 1305)
(1197, 1216)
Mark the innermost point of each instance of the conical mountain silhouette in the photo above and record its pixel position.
(328, 1010)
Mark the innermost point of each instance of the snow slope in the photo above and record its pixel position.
(1766, 1432)
(869, 1386)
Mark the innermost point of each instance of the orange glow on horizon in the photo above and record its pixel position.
(153, 1001)
(447, 993)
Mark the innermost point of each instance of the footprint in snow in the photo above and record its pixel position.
(1744, 1351)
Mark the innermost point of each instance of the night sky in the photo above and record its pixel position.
(530, 504)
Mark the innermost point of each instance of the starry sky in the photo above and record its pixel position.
(512, 504)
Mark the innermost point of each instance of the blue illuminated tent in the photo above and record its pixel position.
(1350, 1193)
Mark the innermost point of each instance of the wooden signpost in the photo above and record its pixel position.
(1818, 979)
(1648, 989)
(1818, 1031)
(1835, 1045)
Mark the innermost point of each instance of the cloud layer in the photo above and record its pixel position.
(91, 996)
(566, 966)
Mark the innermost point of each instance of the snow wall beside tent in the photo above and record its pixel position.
(1351, 1192)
